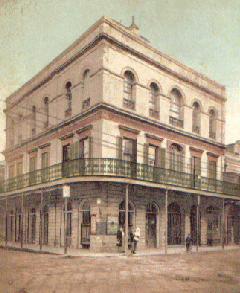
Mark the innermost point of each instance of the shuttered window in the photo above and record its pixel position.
(196, 166)
(212, 169)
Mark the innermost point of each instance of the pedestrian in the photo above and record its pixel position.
(188, 242)
(136, 239)
(132, 241)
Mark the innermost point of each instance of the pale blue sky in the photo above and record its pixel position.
(202, 34)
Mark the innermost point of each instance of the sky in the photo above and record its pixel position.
(202, 34)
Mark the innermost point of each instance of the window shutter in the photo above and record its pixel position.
(145, 154)
(181, 162)
(134, 151)
(76, 150)
(197, 166)
(72, 153)
(90, 147)
(162, 157)
(119, 148)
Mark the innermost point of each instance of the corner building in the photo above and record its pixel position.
(124, 131)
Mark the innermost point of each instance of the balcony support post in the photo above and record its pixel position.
(6, 239)
(41, 221)
(126, 221)
(166, 221)
(22, 223)
(65, 225)
(223, 223)
(198, 206)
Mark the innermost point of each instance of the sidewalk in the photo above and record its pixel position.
(141, 252)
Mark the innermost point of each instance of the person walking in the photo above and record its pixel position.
(188, 242)
(136, 239)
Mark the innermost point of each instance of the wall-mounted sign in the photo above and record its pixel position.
(66, 191)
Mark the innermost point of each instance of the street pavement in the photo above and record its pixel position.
(209, 271)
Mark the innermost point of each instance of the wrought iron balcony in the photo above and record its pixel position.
(175, 121)
(119, 168)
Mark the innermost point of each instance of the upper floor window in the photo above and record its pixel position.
(20, 125)
(68, 86)
(46, 110)
(33, 120)
(196, 118)
(175, 117)
(212, 124)
(176, 158)
(154, 100)
(128, 100)
(86, 89)
(11, 172)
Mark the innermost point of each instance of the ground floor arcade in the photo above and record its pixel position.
(91, 217)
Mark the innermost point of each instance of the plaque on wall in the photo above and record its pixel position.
(102, 227)
(112, 225)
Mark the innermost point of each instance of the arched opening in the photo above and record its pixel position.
(175, 117)
(86, 225)
(174, 224)
(196, 118)
(128, 99)
(154, 100)
(213, 226)
(151, 225)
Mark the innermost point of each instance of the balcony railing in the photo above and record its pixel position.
(175, 121)
(119, 168)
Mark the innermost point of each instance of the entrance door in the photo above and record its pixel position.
(151, 227)
(174, 224)
(86, 225)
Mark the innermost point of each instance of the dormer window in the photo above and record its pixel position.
(153, 101)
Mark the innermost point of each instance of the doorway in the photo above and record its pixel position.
(151, 225)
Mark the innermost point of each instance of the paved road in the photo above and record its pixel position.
(193, 272)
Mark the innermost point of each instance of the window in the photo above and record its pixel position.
(66, 158)
(45, 170)
(20, 125)
(86, 89)
(32, 169)
(196, 171)
(19, 169)
(31, 226)
(174, 224)
(212, 169)
(85, 226)
(196, 118)
(175, 108)
(11, 172)
(153, 101)
(212, 124)
(11, 132)
(176, 157)
(46, 109)
(68, 86)
(127, 149)
(122, 214)
(128, 100)
(33, 120)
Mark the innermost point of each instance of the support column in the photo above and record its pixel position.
(126, 222)
(65, 225)
(41, 221)
(22, 223)
(6, 239)
(223, 224)
(198, 205)
(166, 221)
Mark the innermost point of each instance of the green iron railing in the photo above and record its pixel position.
(119, 168)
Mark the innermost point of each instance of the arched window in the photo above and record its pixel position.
(86, 89)
(46, 110)
(212, 124)
(68, 87)
(33, 120)
(122, 214)
(196, 118)
(176, 158)
(128, 100)
(175, 108)
(154, 100)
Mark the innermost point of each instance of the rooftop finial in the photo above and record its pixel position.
(132, 20)
(134, 28)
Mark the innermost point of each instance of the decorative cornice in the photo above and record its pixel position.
(154, 137)
(135, 131)
(196, 150)
(44, 145)
(32, 150)
(85, 128)
(66, 136)
(213, 155)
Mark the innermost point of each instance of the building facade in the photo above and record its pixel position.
(114, 133)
